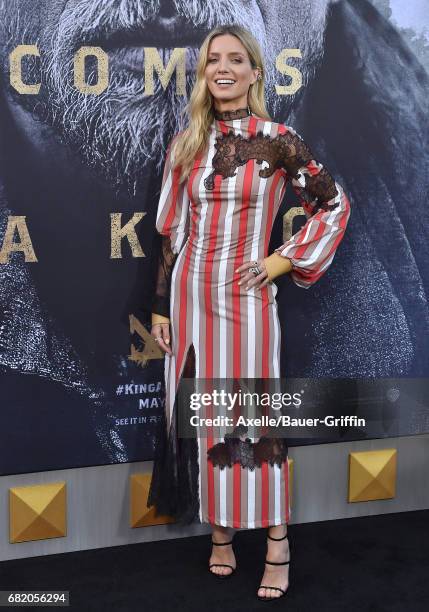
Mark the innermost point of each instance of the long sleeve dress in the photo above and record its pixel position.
(220, 217)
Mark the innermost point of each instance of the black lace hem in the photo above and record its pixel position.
(247, 453)
(173, 489)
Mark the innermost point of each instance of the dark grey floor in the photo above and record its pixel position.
(375, 564)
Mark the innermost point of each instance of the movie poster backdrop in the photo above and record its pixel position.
(91, 94)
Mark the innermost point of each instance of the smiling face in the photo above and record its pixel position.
(118, 131)
(229, 72)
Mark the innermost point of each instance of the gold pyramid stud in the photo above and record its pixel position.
(140, 514)
(37, 512)
(372, 475)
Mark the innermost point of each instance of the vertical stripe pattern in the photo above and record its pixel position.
(235, 333)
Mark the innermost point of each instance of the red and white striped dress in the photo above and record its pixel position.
(220, 217)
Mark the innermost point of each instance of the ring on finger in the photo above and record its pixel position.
(255, 270)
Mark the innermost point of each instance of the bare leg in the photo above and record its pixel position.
(222, 554)
(276, 575)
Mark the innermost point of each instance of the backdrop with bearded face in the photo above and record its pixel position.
(75, 390)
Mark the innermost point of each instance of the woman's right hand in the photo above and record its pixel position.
(161, 333)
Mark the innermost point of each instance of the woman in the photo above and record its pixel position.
(223, 182)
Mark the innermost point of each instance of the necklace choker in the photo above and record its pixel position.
(228, 115)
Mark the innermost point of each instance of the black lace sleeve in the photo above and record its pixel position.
(312, 248)
(310, 179)
(166, 260)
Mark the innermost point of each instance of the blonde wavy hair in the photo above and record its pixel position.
(200, 108)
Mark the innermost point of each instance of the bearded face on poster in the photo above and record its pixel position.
(123, 130)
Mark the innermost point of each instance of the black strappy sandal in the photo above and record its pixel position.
(265, 586)
(221, 564)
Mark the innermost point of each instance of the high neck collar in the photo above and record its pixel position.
(229, 115)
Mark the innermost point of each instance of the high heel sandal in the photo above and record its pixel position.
(264, 586)
(221, 564)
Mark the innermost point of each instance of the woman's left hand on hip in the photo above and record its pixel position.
(249, 278)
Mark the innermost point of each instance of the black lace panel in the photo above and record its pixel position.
(285, 150)
(247, 453)
(161, 301)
